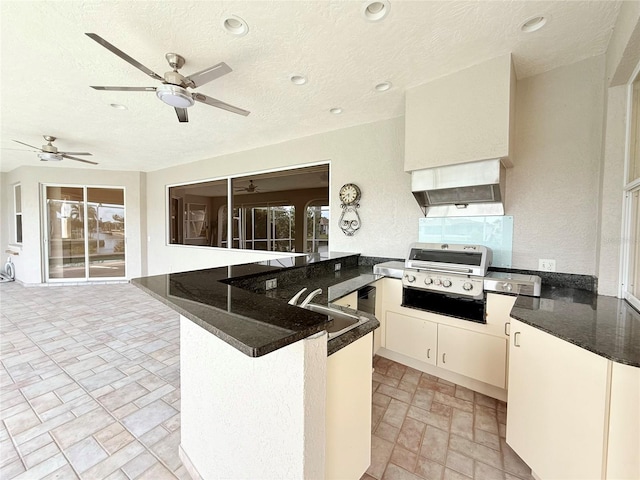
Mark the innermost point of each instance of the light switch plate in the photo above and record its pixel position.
(271, 284)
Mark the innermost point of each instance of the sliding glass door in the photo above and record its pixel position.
(85, 234)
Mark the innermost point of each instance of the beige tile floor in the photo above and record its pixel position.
(424, 427)
(90, 384)
(90, 388)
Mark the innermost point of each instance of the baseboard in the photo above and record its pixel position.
(186, 461)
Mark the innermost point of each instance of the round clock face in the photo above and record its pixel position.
(349, 193)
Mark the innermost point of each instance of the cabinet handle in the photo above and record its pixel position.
(443, 356)
(507, 328)
(515, 339)
(428, 353)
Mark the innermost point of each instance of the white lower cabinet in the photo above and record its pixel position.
(472, 354)
(475, 355)
(623, 452)
(348, 411)
(557, 405)
(413, 337)
(349, 301)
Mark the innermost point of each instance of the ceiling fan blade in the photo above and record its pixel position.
(22, 143)
(124, 56)
(126, 89)
(75, 153)
(214, 102)
(78, 159)
(208, 74)
(183, 116)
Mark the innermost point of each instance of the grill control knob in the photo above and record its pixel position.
(467, 286)
(508, 287)
(446, 283)
(428, 281)
(410, 278)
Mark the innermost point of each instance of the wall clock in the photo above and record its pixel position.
(350, 195)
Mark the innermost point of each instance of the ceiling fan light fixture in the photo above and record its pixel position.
(175, 96)
(49, 157)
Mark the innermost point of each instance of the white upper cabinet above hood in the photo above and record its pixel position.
(461, 118)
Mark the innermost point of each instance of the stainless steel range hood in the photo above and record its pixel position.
(464, 189)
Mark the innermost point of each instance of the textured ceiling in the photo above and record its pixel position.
(48, 64)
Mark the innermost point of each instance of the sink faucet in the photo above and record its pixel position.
(307, 300)
(295, 298)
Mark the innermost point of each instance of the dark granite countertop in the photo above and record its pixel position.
(607, 326)
(232, 303)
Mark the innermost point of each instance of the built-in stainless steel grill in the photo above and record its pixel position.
(453, 280)
(447, 279)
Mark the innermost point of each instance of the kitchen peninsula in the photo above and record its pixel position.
(264, 394)
(254, 402)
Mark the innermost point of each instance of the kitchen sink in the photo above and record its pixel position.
(342, 321)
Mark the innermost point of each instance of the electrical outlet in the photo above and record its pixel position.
(271, 284)
(338, 266)
(546, 265)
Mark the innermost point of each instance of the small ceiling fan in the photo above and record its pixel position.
(173, 90)
(251, 188)
(49, 153)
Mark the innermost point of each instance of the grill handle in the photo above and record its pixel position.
(434, 267)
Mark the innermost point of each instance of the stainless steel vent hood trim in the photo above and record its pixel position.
(465, 189)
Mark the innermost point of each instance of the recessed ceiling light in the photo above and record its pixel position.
(298, 79)
(118, 106)
(375, 11)
(235, 25)
(336, 111)
(383, 87)
(533, 24)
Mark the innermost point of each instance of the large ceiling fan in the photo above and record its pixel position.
(49, 153)
(173, 90)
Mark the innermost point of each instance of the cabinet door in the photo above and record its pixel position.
(412, 337)
(472, 354)
(348, 407)
(623, 460)
(556, 405)
(349, 301)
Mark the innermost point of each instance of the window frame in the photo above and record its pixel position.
(228, 242)
(17, 215)
(630, 188)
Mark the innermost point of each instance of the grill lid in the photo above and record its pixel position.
(450, 258)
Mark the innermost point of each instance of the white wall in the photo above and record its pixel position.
(369, 155)
(29, 261)
(245, 417)
(623, 51)
(553, 189)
